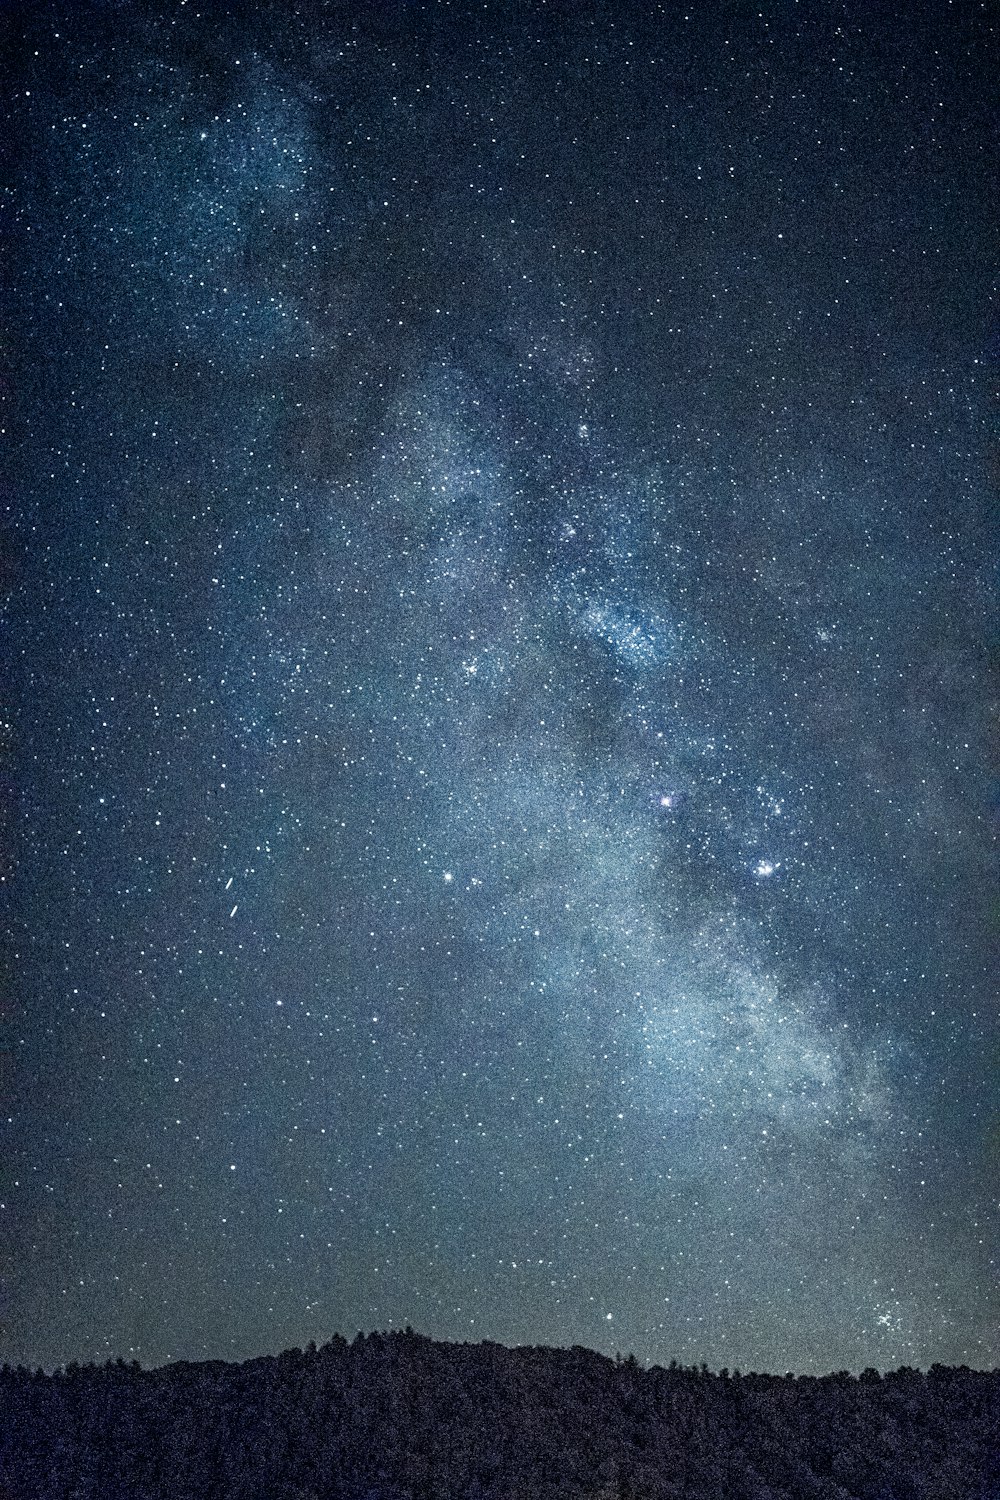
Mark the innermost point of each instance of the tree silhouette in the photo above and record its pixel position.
(398, 1417)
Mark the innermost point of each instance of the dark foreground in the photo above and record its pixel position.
(399, 1417)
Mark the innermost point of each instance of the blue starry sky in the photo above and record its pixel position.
(497, 544)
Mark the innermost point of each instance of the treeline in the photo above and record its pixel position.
(400, 1417)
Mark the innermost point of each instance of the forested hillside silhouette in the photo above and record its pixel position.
(400, 1417)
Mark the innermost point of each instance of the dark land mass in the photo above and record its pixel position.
(401, 1417)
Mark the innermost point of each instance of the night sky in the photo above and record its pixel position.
(498, 542)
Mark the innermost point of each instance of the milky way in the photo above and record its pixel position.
(500, 520)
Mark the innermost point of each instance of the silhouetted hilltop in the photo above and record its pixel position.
(400, 1417)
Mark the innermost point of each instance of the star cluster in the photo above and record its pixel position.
(497, 731)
